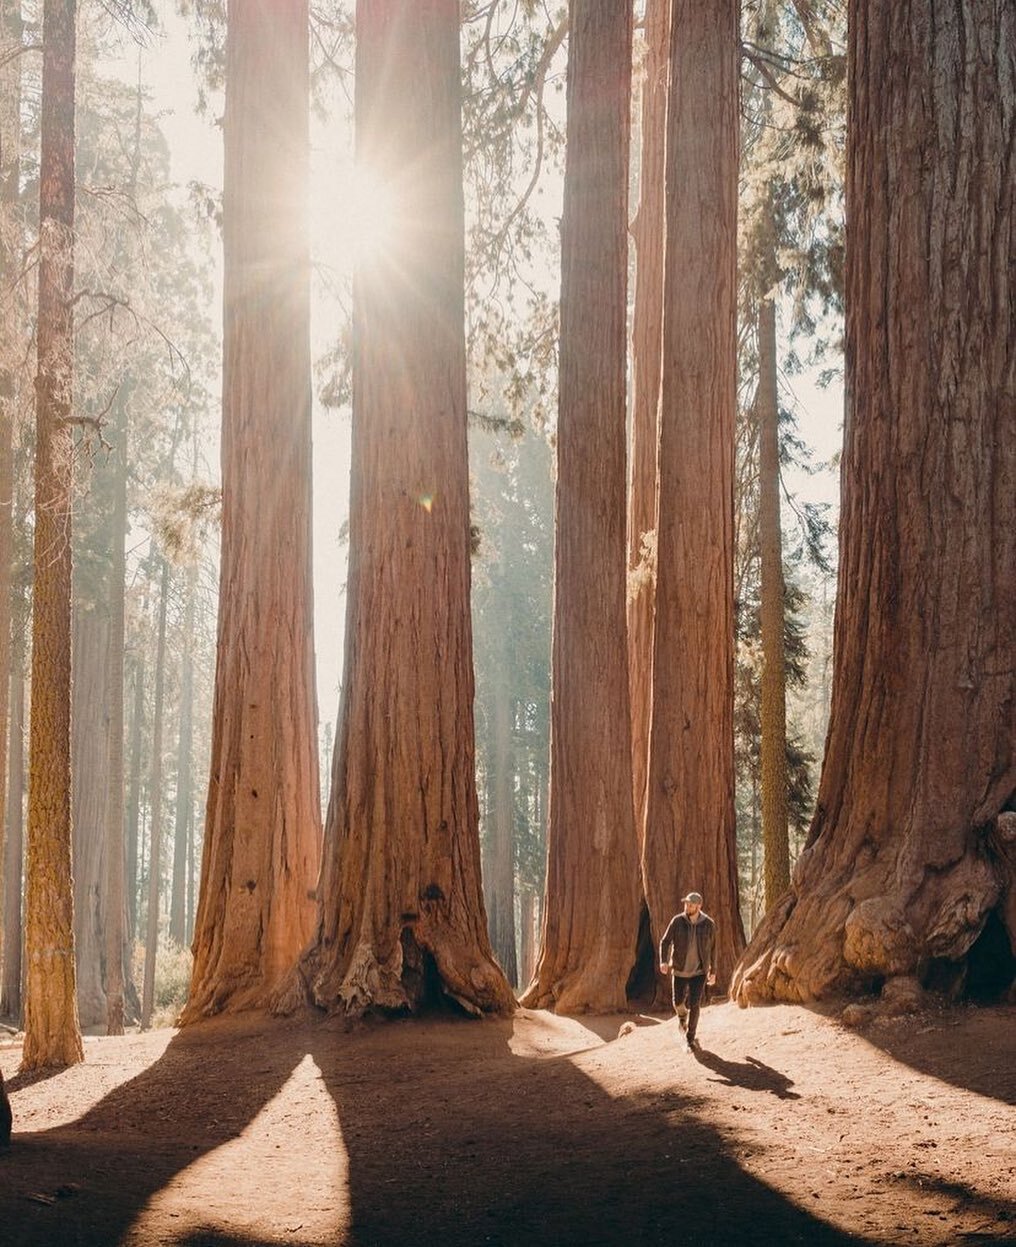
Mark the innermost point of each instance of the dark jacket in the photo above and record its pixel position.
(674, 945)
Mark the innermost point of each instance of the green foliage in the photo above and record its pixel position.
(172, 978)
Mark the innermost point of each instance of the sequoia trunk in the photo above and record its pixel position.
(402, 918)
(591, 913)
(912, 852)
(263, 821)
(649, 232)
(690, 830)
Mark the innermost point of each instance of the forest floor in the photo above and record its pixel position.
(784, 1128)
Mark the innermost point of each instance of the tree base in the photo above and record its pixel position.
(888, 915)
(420, 977)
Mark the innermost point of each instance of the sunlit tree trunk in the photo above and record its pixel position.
(773, 750)
(648, 231)
(591, 912)
(263, 825)
(402, 920)
(184, 785)
(90, 797)
(155, 825)
(690, 822)
(52, 1034)
(912, 852)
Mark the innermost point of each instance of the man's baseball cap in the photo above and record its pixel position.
(694, 897)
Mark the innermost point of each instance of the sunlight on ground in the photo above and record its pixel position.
(537, 1033)
(259, 1183)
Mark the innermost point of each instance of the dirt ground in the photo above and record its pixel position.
(784, 1128)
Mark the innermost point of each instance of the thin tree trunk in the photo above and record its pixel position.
(90, 798)
(401, 920)
(52, 1034)
(184, 784)
(134, 789)
(500, 876)
(912, 852)
(773, 753)
(10, 168)
(690, 833)
(648, 231)
(116, 904)
(155, 829)
(591, 913)
(263, 824)
(14, 848)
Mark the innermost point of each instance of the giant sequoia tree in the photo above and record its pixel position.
(910, 859)
(262, 831)
(592, 904)
(401, 908)
(52, 1035)
(689, 839)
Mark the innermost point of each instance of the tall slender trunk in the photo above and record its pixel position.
(690, 832)
(591, 912)
(133, 812)
(52, 1033)
(648, 230)
(155, 796)
(116, 903)
(10, 168)
(184, 784)
(499, 877)
(773, 760)
(90, 797)
(14, 847)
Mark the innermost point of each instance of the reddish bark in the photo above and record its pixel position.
(909, 857)
(591, 912)
(690, 829)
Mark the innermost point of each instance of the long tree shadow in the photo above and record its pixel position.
(84, 1184)
(514, 1150)
(445, 1135)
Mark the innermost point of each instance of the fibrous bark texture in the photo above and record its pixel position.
(689, 839)
(52, 1034)
(591, 914)
(263, 821)
(773, 751)
(648, 230)
(402, 918)
(910, 853)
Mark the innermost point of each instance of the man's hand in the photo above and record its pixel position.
(664, 968)
(711, 979)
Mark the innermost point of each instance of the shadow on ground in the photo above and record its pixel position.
(449, 1138)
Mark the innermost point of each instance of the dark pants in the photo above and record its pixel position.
(689, 992)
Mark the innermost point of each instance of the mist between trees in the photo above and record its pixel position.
(595, 249)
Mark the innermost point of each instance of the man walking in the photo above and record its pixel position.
(686, 953)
